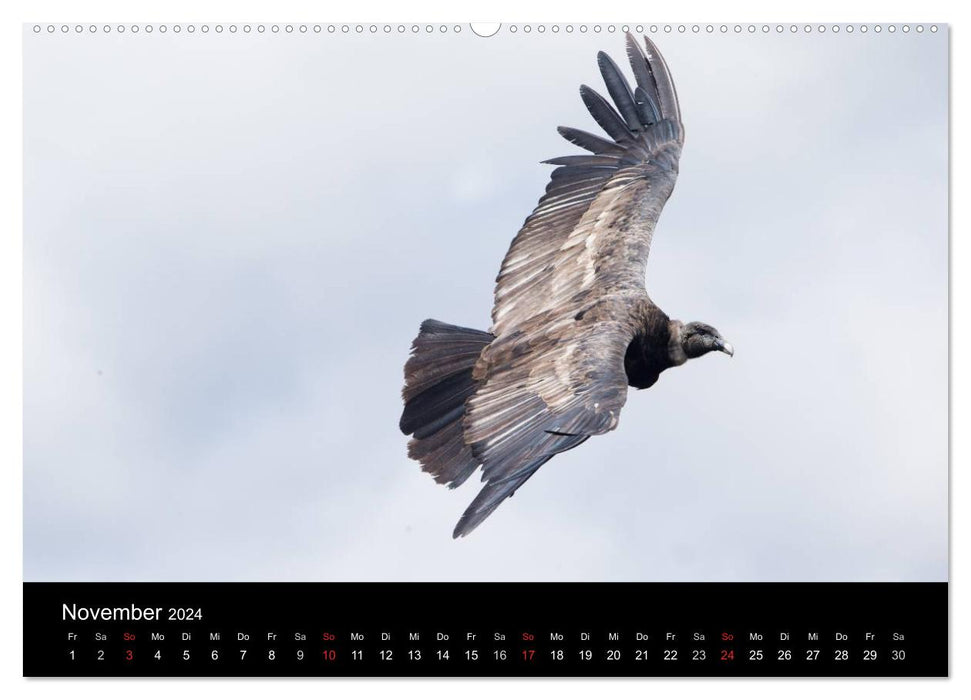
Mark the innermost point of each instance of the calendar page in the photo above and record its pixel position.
(306, 305)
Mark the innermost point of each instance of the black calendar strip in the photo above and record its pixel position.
(475, 629)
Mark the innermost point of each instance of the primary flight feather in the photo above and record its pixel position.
(572, 324)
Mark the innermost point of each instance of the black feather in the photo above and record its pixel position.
(436, 404)
(667, 96)
(642, 69)
(604, 114)
(619, 91)
(646, 107)
(584, 160)
(433, 425)
(579, 172)
(590, 142)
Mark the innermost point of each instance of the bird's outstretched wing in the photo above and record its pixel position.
(554, 375)
(591, 232)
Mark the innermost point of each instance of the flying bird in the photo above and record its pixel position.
(572, 325)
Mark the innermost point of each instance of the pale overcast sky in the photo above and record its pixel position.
(230, 242)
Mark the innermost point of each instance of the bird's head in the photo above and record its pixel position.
(700, 338)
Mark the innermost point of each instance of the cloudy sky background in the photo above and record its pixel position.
(231, 240)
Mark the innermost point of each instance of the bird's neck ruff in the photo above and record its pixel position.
(650, 351)
(676, 352)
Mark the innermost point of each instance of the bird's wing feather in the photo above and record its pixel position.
(590, 234)
(543, 393)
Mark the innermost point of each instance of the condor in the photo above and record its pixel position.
(572, 324)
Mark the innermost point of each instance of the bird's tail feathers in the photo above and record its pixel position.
(438, 381)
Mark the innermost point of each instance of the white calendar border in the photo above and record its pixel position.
(842, 11)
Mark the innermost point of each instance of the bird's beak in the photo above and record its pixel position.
(727, 348)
